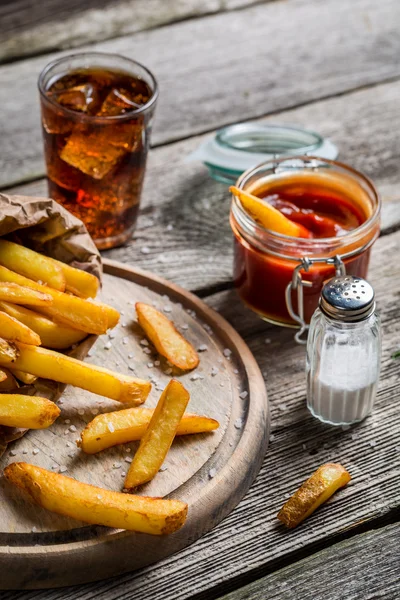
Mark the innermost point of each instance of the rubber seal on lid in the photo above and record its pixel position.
(236, 148)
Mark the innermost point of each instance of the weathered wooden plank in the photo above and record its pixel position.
(32, 28)
(250, 540)
(184, 221)
(225, 68)
(366, 566)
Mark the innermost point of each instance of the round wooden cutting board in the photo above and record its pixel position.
(211, 472)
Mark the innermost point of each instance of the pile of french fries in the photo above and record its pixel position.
(46, 306)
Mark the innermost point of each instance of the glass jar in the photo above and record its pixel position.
(343, 353)
(269, 265)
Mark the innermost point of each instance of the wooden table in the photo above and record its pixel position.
(332, 66)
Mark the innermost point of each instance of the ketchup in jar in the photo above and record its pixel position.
(340, 209)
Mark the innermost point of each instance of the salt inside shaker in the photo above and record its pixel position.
(343, 352)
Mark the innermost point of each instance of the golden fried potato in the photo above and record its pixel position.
(69, 310)
(78, 282)
(32, 412)
(52, 335)
(31, 264)
(314, 492)
(130, 424)
(166, 338)
(13, 330)
(159, 435)
(66, 496)
(8, 383)
(8, 352)
(26, 378)
(268, 216)
(59, 367)
(18, 294)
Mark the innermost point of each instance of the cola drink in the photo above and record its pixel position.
(97, 111)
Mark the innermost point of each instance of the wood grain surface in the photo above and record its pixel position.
(31, 28)
(343, 571)
(352, 46)
(199, 469)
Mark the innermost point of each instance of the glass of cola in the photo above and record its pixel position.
(97, 111)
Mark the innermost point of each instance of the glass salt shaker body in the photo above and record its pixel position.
(343, 352)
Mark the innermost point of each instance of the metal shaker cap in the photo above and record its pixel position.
(347, 298)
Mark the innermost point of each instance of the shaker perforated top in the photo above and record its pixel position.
(347, 298)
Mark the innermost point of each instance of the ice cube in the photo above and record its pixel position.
(79, 98)
(96, 149)
(118, 102)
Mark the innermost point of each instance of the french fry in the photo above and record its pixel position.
(159, 435)
(66, 496)
(52, 335)
(268, 216)
(18, 294)
(31, 264)
(13, 330)
(166, 338)
(32, 412)
(69, 310)
(59, 367)
(78, 282)
(314, 492)
(8, 352)
(8, 383)
(26, 378)
(130, 424)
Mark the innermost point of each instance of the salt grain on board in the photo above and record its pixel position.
(145, 250)
(202, 348)
(144, 342)
(214, 371)
(238, 423)
(243, 395)
(212, 473)
(72, 428)
(128, 459)
(107, 346)
(163, 468)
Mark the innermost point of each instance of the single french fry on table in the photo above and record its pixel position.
(8, 383)
(66, 496)
(166, 338)
(31, 264)
(65, 369)
(13, 330)
(18, 294)
(71, 311)
(130, 424)
(52, 334)
(314, 492)
(32, 412)
(8, 352)
(78, 282)
(159, 435)
(26, 378)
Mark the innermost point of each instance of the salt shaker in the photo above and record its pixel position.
(343, 352)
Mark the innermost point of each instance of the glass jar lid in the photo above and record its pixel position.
(236, 148)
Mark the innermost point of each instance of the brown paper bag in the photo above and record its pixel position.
(47, 227)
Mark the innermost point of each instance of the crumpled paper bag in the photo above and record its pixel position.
(47, 227)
